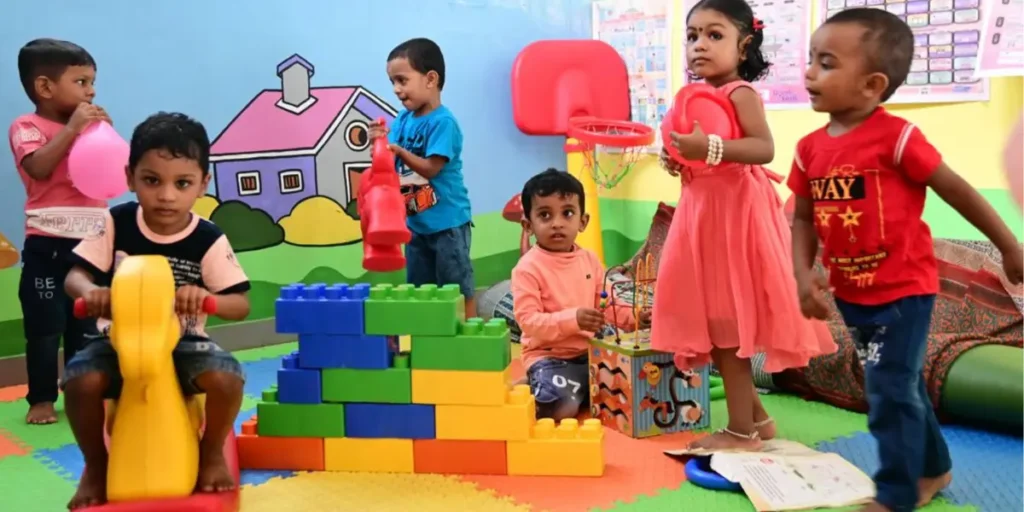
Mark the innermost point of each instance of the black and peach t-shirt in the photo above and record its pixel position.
(199, 255)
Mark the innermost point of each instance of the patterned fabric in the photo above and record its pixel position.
(976, 306)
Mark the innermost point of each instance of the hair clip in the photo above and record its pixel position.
(758, 24)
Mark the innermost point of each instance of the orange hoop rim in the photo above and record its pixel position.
(610, 132)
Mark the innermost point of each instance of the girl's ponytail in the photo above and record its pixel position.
(754, 66)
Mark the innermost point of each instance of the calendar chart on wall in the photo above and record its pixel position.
(947, 42)
(787, 25)
(1002, 39)
(640, 31)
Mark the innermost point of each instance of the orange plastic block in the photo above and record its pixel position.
(570, 449)
(279, 453)
(459, 457)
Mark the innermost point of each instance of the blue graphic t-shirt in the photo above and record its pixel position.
(442, 202)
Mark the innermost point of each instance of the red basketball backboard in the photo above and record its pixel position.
(558, 79)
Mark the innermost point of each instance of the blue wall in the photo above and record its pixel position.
(209, 58)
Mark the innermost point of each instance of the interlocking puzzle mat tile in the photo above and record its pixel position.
(691, 497)
(632, 468)
(639, 477)
(799, 420)
(27, 484)
(987, 467)
(312, 492)
(12, 423)
(13, 393)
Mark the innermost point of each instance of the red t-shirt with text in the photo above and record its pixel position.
(868, 189)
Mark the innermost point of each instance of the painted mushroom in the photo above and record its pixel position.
(513, 212)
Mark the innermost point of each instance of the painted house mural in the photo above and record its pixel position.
(296, 142)
(291, 154)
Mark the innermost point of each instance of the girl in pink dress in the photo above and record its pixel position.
(725, 288)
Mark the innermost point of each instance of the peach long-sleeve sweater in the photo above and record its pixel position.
(547, 289)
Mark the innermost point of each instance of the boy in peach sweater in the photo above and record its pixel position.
(556, 289)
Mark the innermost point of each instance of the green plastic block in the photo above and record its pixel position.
(347, 385)
(300, 420)
(478, 346)
(405, 309)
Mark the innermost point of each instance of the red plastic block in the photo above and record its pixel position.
(459, 457)
(279, 453)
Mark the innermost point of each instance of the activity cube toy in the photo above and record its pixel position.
(348, 400)
(639, 391)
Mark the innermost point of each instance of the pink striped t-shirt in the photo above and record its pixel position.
(53, 206)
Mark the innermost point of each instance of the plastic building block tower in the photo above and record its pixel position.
(348, 400)
(641, 393)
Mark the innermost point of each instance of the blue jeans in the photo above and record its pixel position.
(441, 258)
(891, 342)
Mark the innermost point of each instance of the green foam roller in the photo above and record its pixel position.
(985, 386)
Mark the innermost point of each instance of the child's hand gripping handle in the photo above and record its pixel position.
(81, 310)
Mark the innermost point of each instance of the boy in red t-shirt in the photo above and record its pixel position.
(58, 77)
(860, 184)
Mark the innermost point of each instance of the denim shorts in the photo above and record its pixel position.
(441, 258)
(560, 386)
(193, 357)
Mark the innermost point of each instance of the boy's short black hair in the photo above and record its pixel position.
(888, 43)
(423, 55)
(178, 134)
(552, 181)
(50, 58)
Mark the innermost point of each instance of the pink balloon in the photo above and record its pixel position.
(97, 161)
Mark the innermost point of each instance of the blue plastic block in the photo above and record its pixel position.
(297, 385)
(401, 421)
(346, 351)
(321, 309)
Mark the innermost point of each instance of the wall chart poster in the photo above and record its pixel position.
(947, 36)
(640, 31)
(787, 25)
(1002, 39)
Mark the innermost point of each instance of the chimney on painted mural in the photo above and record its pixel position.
(295, 73)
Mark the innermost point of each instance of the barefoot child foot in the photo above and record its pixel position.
(42, 413)
(765, 428)
(927, 488)
(92, 488)
(214, 475)
(726, 439)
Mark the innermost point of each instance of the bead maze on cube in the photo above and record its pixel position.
(349, 400)
(639, 391)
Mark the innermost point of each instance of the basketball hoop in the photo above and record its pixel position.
(602, 136)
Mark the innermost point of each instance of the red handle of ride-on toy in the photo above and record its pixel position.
(209, 306)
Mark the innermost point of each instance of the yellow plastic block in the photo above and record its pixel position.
(570, 449)
(455, 387)
(509, 422)
(368, 455)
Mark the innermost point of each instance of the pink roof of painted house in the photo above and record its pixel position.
(263, 127)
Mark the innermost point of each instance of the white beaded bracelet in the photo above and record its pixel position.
(715, 149)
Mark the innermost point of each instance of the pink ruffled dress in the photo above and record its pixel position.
(725, 278)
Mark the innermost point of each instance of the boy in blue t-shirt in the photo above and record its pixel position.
(427, 143)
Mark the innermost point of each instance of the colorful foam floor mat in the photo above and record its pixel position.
(40, 466)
